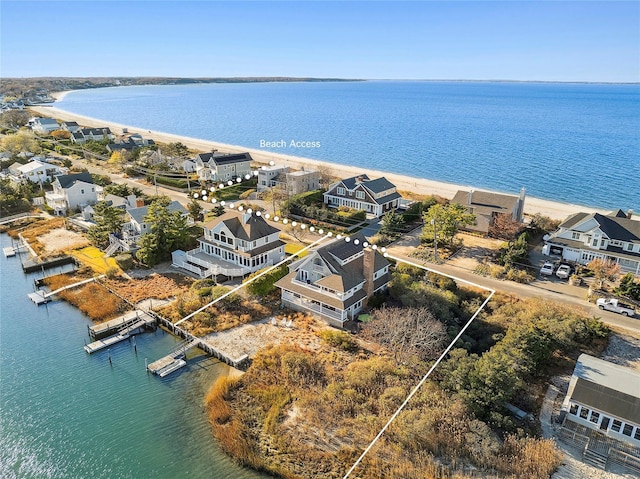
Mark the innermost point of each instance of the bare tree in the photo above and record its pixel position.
(604, 270)
(327, 176)
(407, 332)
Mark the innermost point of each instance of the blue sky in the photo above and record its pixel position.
(540, 41)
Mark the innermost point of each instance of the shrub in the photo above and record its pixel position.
(112, 272)
(246, 194)
(124, 261)
(519, 275)
(265, 285)
(339, 339)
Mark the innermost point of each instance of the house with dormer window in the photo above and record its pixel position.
(234, 244)
(584, 237)
(221, 167)
(376, 197)
(71, 192)
(335, 281)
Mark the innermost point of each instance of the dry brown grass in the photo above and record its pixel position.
(36, 229)
(157, 286)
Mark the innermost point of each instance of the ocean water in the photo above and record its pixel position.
(574, 143)
(67, 415)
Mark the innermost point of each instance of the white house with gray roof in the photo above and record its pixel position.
(71, 192)
(376, 197)
(584, 237)
(44, 125)
(35, 171)
(234, 244)
(221, 167)
(601, 411)
(335, 281)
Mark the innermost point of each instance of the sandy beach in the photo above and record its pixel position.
(552, 209)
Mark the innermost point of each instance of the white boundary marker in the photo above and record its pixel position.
(444, 353)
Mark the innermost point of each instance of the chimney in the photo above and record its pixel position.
(368, 269)
(470, 201)
(359, 179)
(629, 214)
(246, 216)
(131, 201)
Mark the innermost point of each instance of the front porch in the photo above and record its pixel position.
(298, 302)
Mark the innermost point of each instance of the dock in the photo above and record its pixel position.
(174, 360)
(126, 331)
(39, 297)
(9, 251)
(131, 321)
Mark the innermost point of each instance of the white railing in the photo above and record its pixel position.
(318, 308)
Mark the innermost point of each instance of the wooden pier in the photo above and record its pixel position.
(39, 297)
(9, 251)
(126, 331)
(129, 322)
(174, 360)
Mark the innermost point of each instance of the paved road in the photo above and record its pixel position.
(551, 289)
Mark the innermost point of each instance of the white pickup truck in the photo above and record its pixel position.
(614, 305)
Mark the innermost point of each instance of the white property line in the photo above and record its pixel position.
(444, 353)
(239, 287)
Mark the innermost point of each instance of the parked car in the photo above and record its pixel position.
(612, 304)
(547, 269)
(564, 271)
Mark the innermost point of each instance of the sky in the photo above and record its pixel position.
(588, 41)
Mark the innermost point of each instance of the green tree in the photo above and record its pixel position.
(168, 232)
(264, 285)
(177, 150)
(108, 220)
(444, 221)
(628, 287)
(515, 252)
(195, 209)
(391, 224)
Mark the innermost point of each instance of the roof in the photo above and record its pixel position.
(225, 159)
(486, 202)
(67, 181)
(70, 123)
(375, 186)
(615, 225)
(606, 386)
(138, 214)
(46, 121)
(244, 226)
(573, 220)
(32, 165)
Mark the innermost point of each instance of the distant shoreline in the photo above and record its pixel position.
(553, 209)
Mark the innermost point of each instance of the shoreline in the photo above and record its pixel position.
(553, 209)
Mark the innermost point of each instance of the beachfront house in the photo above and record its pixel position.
(583, 237)
(44, 126)
(601, 412)
(293, 182)
(234, 244)
(70, 126)
(376, 197)
(336, 280)
(221, 167)
(71, 193)
(487, 206)
(83, 135)
(35, 171)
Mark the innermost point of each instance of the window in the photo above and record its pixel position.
(574, 409)
(584, 413)
(629, 246)
(602, 242)
(360, 195)
(82, 192)
(575, 236)
(595, 416)
(340, 191)
(595, 242)
(628, 428)
(637, 434)
(616, 425)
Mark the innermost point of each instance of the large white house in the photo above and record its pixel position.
(336, 280)
(44, 125)
(584, 237)
(71, 192)
(220, 167)
(234, 244)
(601, 412)
(293, 182)
(35, 171)
(376, 197)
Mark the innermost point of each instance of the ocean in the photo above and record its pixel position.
(67, 415)
(568, 142)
